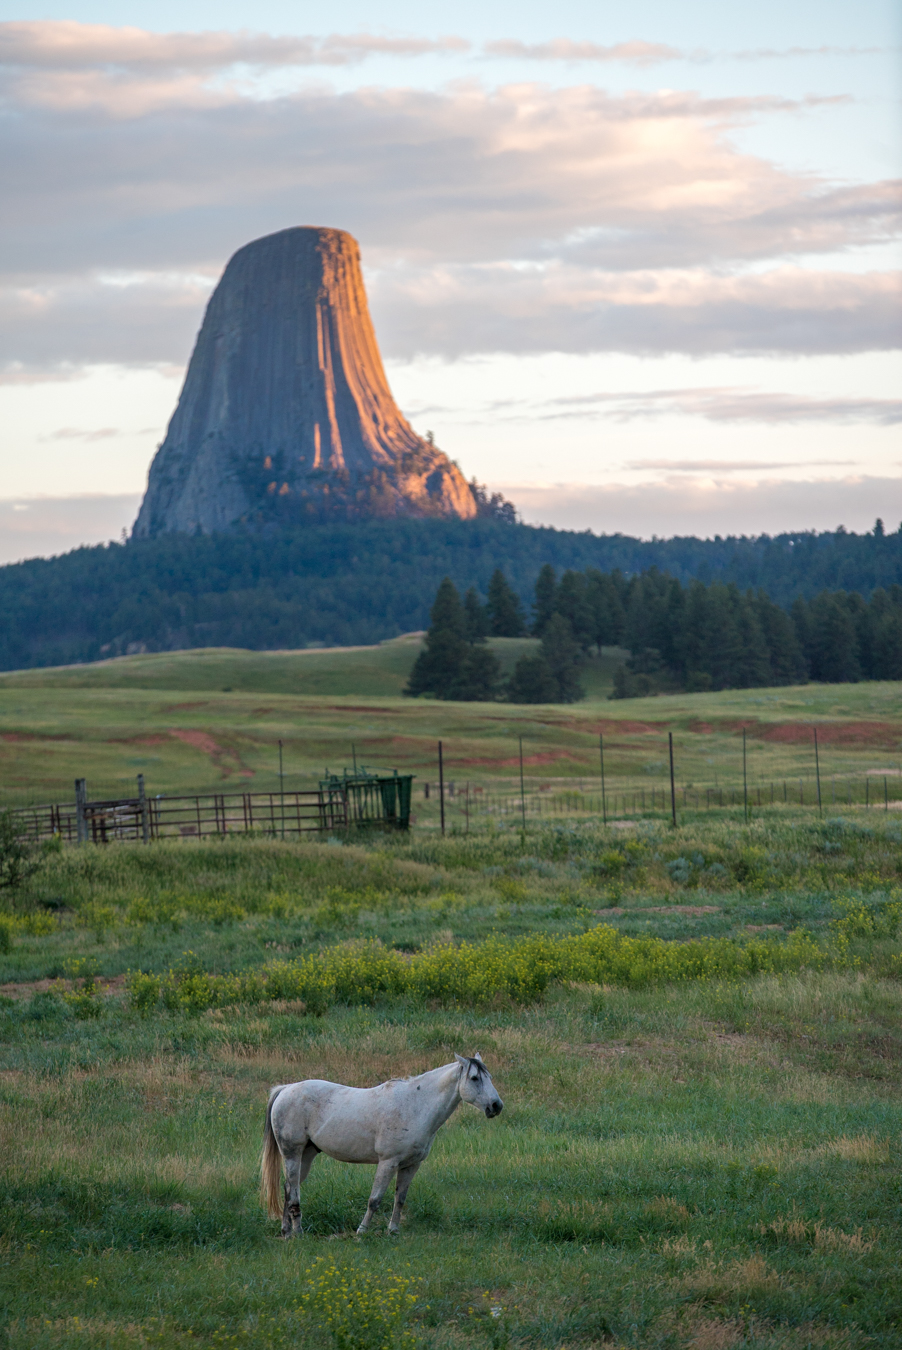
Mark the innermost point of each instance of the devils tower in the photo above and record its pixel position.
(286, 415)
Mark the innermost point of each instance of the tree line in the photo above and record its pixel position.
(679, 638)
(342, 584)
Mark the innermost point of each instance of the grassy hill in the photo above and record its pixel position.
(367, 671)
(212, 720)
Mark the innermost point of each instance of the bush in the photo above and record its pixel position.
(520, 969)
(354, 1310)
(19, 858)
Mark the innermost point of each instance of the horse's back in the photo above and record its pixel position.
(341, 1121)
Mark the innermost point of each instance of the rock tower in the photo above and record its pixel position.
(286, 415)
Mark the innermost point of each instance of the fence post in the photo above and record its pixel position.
(522, 794)
(672, 788)
(604, 805)
(81, 820)
(142, 799)
(441, 786)
(885, 796)
(817, 770)
(745, 782)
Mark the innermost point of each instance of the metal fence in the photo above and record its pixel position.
(360, 800)
(284, 815)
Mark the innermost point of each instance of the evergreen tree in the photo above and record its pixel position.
(754, 672)
(532, 682)
(603, 595)
(787, 660)
(450, 666)
(573, 604)
(885, 635)
(439, 668)
(545, 602)
(561, 654)
(480, 676)
(833, 640)
(476, 620)
(503, 605)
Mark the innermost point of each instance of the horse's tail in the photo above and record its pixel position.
(271, 1164)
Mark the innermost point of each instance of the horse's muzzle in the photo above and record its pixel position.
(494, 1109)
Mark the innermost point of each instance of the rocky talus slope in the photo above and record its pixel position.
(286, 414)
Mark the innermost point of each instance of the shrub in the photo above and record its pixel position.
(521, 969)
(19, 858)
(354, 1309)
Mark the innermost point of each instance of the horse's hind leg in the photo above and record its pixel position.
(296, 1169)
(383, 1176)
(402, 1186)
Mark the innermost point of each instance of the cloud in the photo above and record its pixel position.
(694, 507)
(698, 311)
(728, 466)
(41, 527)
(72, 46)
(729, 405)
(635, 53)
(517, 219)
(75, 434)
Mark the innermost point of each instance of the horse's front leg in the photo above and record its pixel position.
(402, 1186)
(384, 1173)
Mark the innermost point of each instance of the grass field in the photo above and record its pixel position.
(170, 718)
(697, 1032)
(689, 1156)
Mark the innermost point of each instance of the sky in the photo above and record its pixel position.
(637, 267)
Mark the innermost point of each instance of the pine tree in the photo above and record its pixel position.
(573, 604)
(532, 682)
(787, 660)
(561, 654)
(476, 620)
(450, 666)
(503, 605)
(544, 604)
(603, 594)
(833, 640)
(479, 677)
(439, 667)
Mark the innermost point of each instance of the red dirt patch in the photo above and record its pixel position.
(883, 734)
(200, 740)
(546, 757)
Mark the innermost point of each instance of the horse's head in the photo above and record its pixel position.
(476, 1086)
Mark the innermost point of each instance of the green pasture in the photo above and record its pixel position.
(688, 1161)
(370, 671)
(212, 720)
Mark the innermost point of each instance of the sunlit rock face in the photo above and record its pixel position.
(286, 414)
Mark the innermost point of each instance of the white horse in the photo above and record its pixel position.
(392, 1125)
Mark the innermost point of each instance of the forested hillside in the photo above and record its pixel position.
(344, 584)
(680, 639)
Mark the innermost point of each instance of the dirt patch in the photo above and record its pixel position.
(200, 740)
(492, 762)
(28, 988)
(691, 911)
(31, 736)
(883, 734)
(187, 707)
(227, 761)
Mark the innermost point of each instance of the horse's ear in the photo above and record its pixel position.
(478, 1057)
(460, 1059)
